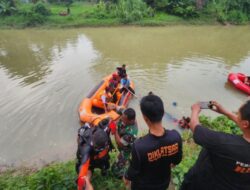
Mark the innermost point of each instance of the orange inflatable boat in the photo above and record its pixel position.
(91, 109)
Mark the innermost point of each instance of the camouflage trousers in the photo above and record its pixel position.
(121, 164)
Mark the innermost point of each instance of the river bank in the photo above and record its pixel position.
(92, 15)
(62, 175)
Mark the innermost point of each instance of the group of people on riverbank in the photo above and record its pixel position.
(145, 163)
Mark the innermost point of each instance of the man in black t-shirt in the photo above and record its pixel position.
(155, 153)
(224, 162)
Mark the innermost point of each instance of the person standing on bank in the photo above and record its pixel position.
(125, 135)
(224, 162)
(155, 153)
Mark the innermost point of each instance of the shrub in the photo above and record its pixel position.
(7, 7)
(41, 8)
(126, 10)
(33, 19)
(237, 17)
(132, 10)
(183, 8)
(234, 11)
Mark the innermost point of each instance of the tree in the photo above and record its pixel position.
(7, 7)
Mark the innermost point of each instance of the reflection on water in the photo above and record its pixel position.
(45, 74)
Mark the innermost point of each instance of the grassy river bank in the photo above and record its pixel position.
(136, 12)
(62, 175)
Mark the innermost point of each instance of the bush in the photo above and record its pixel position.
(126, 10)
(132, 10)
(237, 17)
(7, 7)
(33, 19)
(233, 11)
(36, 14)
(60, 176)
(183, 8)
(41, 8)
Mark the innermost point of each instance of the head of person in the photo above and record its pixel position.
(103, 124)
(152, 109)
(244, 117)
(128, 116)
(100, 140)
(114, 76)
(124, 66)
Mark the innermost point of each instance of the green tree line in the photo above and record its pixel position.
(224, 11)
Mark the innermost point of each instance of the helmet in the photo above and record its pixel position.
(114, 75)
(100, 140)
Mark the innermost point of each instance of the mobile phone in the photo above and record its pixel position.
(205, 105)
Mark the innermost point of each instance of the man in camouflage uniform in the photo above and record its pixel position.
(125, 135)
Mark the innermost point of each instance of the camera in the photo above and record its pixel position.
(206, 105)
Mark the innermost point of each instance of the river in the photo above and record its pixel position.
(44, 75)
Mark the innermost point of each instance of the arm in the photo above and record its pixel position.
(134, 167)
(211, 140)
(178, 157)
(104, 101)
(195, 116)
(83, 170)
(205, 137)
(118, 139)
(122, 83)
(219, 109)
(88, 184)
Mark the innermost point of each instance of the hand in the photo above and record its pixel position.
(217, 107)
(88, 184)
(172, 166)
(112, 127)
(196, 108)
(126, 182)
(81, 183)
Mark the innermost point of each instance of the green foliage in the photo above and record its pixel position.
(36, 14)
(126, 10)
(33, 19)
(183, 8)
(237, 17)
(41, 8)
(57, 176)
(7, 7)
(101, 10)
(60, 176)
(233, 11)
(221, 123)
(132, 10)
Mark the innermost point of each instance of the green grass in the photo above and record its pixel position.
(55, 176)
